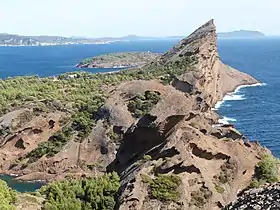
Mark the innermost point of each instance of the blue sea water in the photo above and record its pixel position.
(53, 60)
(21, 186)
(255, 111)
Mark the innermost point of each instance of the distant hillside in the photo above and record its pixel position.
(19, 40)
(241, 34)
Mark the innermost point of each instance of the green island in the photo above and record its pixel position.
(119, 60)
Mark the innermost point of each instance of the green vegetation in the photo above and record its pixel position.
(267, 171)
(200, 197)
(96, 193)
(226, 174)
(163, 187)
(51, 147)
(113, 136)
(219, 189)
(7, 197)
(111, 60)
(143, 104)
(147, 157)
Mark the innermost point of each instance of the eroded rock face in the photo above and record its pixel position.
(213, 163)
(211, 76)
(200, 160)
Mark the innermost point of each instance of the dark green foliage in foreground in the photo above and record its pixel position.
(143, 104)
(97, 193)
(266, 171)
(7, 197)
(163, 187)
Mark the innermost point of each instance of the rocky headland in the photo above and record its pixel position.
(153, 125)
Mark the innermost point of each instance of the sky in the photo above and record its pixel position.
(115, 18)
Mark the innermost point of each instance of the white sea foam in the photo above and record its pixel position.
(226, 120)
(234, 96)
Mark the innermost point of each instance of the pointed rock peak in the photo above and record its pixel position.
(208, 27)
(203, 36)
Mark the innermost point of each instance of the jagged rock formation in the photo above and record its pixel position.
(213, 169)
(210, 75)
(173, 135)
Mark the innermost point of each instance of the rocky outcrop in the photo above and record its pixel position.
(213, 163)
(210, 75)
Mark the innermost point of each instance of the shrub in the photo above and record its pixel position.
(51, 147)
(7, 197)
(219, 189)
(199, 198)
(143, 104)
(96, 193)
(267, 169)
(163, 187)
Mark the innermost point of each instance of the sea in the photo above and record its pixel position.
(254, 110)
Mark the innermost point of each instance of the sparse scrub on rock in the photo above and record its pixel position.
(51, 147)
(163, 187)
(143, 104)
(199, 198)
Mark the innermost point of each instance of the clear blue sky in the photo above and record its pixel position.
(97, 18)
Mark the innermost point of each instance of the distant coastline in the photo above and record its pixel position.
(56, 44)
(11, 40)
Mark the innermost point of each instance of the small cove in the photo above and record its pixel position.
(21, 186)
